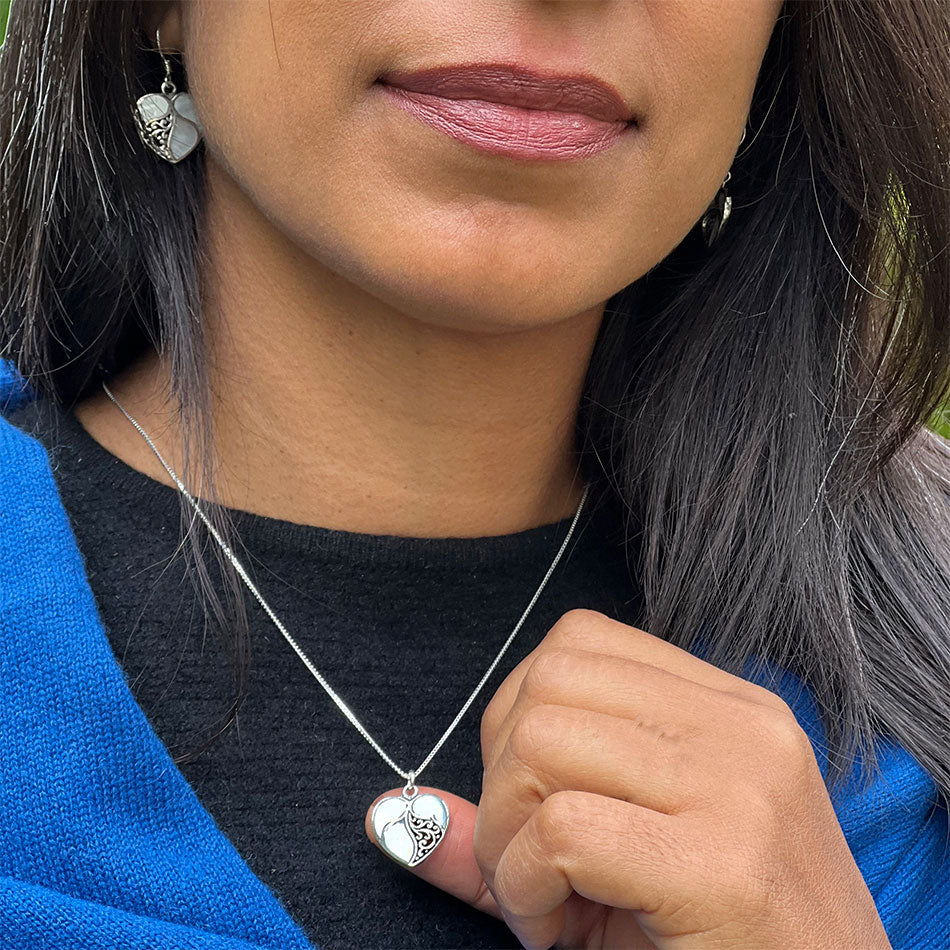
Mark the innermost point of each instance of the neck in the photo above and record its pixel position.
(333, 408)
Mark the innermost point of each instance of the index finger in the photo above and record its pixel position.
(595, 632)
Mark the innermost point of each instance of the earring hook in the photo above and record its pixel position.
(168, 86)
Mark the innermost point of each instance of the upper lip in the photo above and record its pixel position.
(518, 86)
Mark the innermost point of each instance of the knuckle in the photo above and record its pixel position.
(488, 728)
(553, 821)
(546, 671)
(765, 697)
(783, 771)
(576, 627)
(784, 735)
(484, 858)
(548, 832)
(491, 718)
(533, 734)
(508, 885)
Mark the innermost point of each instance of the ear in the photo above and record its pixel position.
(164, 16)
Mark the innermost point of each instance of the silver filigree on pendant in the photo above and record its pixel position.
(168, 125)
(410, 826)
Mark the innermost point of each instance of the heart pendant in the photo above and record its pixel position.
(169, 126)
(410, 827)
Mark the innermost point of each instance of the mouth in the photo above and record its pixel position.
(518, 86)
(514, 111)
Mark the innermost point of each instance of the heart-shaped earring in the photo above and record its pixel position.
(410, 826)
(167, 121)
(717, 214)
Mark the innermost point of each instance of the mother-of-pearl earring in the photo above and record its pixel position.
(167, 121)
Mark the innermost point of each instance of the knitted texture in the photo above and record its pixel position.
(401, 627)
(103, 843)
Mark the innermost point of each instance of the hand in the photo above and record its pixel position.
(635, 796)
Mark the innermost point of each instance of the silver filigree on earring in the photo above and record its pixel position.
(167, 121)
(717, 214)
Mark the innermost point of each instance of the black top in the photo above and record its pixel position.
(402, 628)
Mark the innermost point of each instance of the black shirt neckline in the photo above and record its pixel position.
(157, 507)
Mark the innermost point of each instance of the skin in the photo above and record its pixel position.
(399, 328)
(400, 325)
(636, 796)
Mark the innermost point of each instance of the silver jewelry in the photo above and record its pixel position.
(167, 121)
(717, 214)
(407, 826)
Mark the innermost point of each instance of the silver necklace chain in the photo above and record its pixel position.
(410, 776)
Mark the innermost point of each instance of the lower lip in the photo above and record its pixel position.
(511, 131)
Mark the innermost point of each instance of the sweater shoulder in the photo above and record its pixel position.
(15, 391)
(34, 525)
(24, 460)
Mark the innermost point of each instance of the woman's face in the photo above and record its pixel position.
(431, 223)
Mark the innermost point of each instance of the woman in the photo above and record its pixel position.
(625, 319)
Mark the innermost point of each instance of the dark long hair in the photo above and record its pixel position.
(757, 411)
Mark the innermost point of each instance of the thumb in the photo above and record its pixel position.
(451, 866)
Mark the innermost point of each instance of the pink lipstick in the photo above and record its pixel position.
(512, 111)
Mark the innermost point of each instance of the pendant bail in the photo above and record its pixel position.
(410, 784)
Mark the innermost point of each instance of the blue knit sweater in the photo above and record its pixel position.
(103, 844)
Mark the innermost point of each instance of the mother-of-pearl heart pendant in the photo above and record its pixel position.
(409, 827)
(168, 125)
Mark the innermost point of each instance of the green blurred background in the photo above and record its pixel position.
(940, 422)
